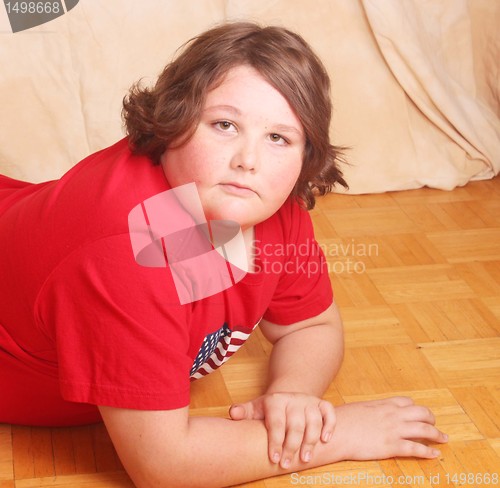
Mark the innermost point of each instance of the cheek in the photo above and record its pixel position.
(281, 183)
(203, 161)
(185, 165)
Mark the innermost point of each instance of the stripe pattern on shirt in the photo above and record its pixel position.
(217, 348)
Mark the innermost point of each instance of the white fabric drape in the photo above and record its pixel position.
(415, 83)
(451, 78)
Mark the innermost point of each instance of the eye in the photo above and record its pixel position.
(225, 125)
(278, 139)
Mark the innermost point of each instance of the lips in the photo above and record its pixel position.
(236, 188)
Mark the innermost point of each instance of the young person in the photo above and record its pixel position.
(88, 332)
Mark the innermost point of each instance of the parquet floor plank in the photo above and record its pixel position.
(495, 444)
(43, 462)
(409, 284)
(369, 221)
(84, 449)
(483, 277)
(466, 363)
(372, 325)
(482, 407)
(468, 245)
(6, 460)
(64, 453)
(493, 304)
(416, 275)
(22, 451)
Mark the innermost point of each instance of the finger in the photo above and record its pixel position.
(313, 426)
(418, 413)
(237, 412)
(425, 431)
(401, 401)
(247, 411)
(329, 419)
(294, 436)
(443, 438)
(409, 448)
(398, 401)
(276, 429)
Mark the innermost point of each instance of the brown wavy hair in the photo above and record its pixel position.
(155, 118)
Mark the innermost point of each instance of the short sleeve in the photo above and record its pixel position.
(120, 331)
(304, 289)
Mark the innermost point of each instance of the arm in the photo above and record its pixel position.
(167, 448)
(305, 358)
(307, 355)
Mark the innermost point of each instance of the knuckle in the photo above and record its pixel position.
(410, 448)
(296, 425)
(313, 413)
(275, 423)
(330, 415)
(314, 427)
(429, 431)
(314, 424)
(426, 415)
(415, 449)
(291, 447)
(272, 399)
(404, 401)
(325, 404)
(430, 415)
(311, 439)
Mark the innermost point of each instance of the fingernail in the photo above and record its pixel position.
(307, 456)
(327, 437)
(276, 457)
(445, 437)
(286, 463)
(436, 452)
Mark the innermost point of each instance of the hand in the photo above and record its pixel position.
(293, 421)
(382, 429)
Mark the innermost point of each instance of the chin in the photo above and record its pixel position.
(244, 223)
(239, 215)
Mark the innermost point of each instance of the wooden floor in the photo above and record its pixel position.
(417, 278)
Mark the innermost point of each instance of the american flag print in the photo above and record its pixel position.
(217, 348)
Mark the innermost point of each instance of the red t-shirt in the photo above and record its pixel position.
(82, 324)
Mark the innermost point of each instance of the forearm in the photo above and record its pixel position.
(215, 452)
(380, 429)
(220, 452)
(307, 360)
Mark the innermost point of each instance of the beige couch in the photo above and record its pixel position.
(415, 83)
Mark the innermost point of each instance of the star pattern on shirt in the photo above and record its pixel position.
(217, 348)
(209, 344)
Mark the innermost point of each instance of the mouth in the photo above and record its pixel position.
(238, 189)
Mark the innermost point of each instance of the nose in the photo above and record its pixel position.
(246, 156)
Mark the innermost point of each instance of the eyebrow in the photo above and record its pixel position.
(287, 128)
(277, 127)
(229, 108)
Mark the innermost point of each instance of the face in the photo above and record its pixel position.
(246, 153)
